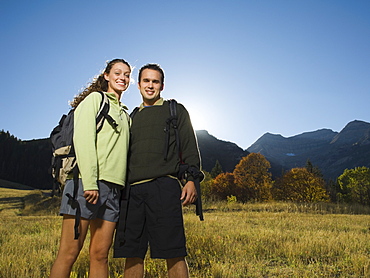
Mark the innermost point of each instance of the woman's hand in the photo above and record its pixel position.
(91, 196)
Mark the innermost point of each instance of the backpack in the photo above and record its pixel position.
(64, 161)
(185, 170)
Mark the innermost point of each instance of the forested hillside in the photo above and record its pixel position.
(25, 162)
(28, 162)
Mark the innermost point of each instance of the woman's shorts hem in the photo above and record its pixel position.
(106, 208)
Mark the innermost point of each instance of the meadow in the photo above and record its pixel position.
(235, 240)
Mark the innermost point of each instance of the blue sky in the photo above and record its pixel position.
(242, 68)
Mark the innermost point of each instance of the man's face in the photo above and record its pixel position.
(150, 86)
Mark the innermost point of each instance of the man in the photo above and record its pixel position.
(154, 212)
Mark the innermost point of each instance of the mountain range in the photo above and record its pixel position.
(332, 152)
(212, 149)
(28, 162)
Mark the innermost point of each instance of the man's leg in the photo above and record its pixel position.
(177, 268)
(134, 268)
(100, 243)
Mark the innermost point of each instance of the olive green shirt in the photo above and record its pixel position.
(148, 138)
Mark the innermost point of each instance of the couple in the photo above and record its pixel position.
(151, 211)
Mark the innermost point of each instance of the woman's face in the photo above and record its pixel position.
(118, 78)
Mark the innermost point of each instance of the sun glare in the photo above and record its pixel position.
(198, 120)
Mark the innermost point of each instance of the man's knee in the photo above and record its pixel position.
(176, 260)
(131, 262)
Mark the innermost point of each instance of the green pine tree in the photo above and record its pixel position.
(216, 170)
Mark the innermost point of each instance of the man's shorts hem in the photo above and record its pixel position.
(170, 254)
(119, 253)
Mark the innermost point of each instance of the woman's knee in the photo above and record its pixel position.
(99, 254)
(69, 255)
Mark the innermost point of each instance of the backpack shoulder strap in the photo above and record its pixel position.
(103, 114)
(173, 108)
(185, 169)
(172, 122)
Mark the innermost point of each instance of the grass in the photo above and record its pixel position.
(235, 240)
(280, 244)
(12, 201)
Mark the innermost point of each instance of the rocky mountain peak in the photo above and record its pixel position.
(355, 132)
(331, 151)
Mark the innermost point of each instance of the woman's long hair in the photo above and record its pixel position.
(98, 84)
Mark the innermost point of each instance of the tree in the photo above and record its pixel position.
(333, 188)
(206, 186)
(355, 185)
(223, 186)
(25, 162)
(216, 170)
(253, 178)
(313, 169)
(299, 185)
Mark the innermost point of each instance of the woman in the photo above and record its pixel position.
(102, 159)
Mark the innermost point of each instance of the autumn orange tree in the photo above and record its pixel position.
(223, 186)
(300, 185)
(253, 179)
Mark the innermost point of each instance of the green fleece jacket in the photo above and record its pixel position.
(146, 158)
(103, 155)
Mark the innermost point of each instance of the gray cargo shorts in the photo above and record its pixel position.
(106, 208)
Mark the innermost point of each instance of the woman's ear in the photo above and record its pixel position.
(106, 76)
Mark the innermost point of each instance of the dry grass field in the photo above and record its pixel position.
(235, 240)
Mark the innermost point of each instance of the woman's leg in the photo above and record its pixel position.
(69, 247)
(101, 241)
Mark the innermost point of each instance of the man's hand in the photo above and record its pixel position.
(91, 196)
(189, 193)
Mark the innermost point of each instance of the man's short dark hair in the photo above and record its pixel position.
(152, 67)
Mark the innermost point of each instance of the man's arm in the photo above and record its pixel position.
(191, 157)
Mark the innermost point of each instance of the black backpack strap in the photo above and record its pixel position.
(172, 122)
(121, 224)
(198, 177)
(173, 111)
(103, 114)
(74, 203)
(184, 170)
